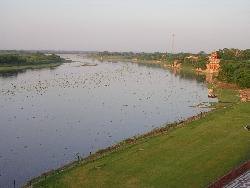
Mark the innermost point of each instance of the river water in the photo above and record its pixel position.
(50, 116)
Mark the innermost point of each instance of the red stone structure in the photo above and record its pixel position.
(214, 63)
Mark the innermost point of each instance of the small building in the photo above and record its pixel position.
(214, 63)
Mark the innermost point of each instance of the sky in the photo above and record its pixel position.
(125, 25)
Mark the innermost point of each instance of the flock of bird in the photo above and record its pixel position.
(77, 79)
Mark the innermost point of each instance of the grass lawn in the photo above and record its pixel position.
(190, 156)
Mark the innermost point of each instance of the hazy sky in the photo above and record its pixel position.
(124, 25)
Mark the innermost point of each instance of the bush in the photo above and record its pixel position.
(242, 77)
(236, 72)
(18, 59)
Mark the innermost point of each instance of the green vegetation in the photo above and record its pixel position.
(186, 58)
(235, 63)
(235, 66)
(234, 54)
(10, 61)
(193, 155)
(28, 59)
(15, 68)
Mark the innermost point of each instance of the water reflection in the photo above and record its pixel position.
(191, 76)
(11, 73)
(16, 72)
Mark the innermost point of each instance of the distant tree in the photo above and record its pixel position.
(202, 53)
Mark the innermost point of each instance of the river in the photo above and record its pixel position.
(50, 116)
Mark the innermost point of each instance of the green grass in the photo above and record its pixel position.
(190, 156)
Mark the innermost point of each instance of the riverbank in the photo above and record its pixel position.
(189, 68)
(86, 121)
(10, 62)
(124, 59)
(4, 69)
(190, 154)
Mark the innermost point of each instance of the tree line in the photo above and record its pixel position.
(235, 63)
(23, 59)
(235, 66)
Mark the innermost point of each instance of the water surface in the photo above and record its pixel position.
(50, 116)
